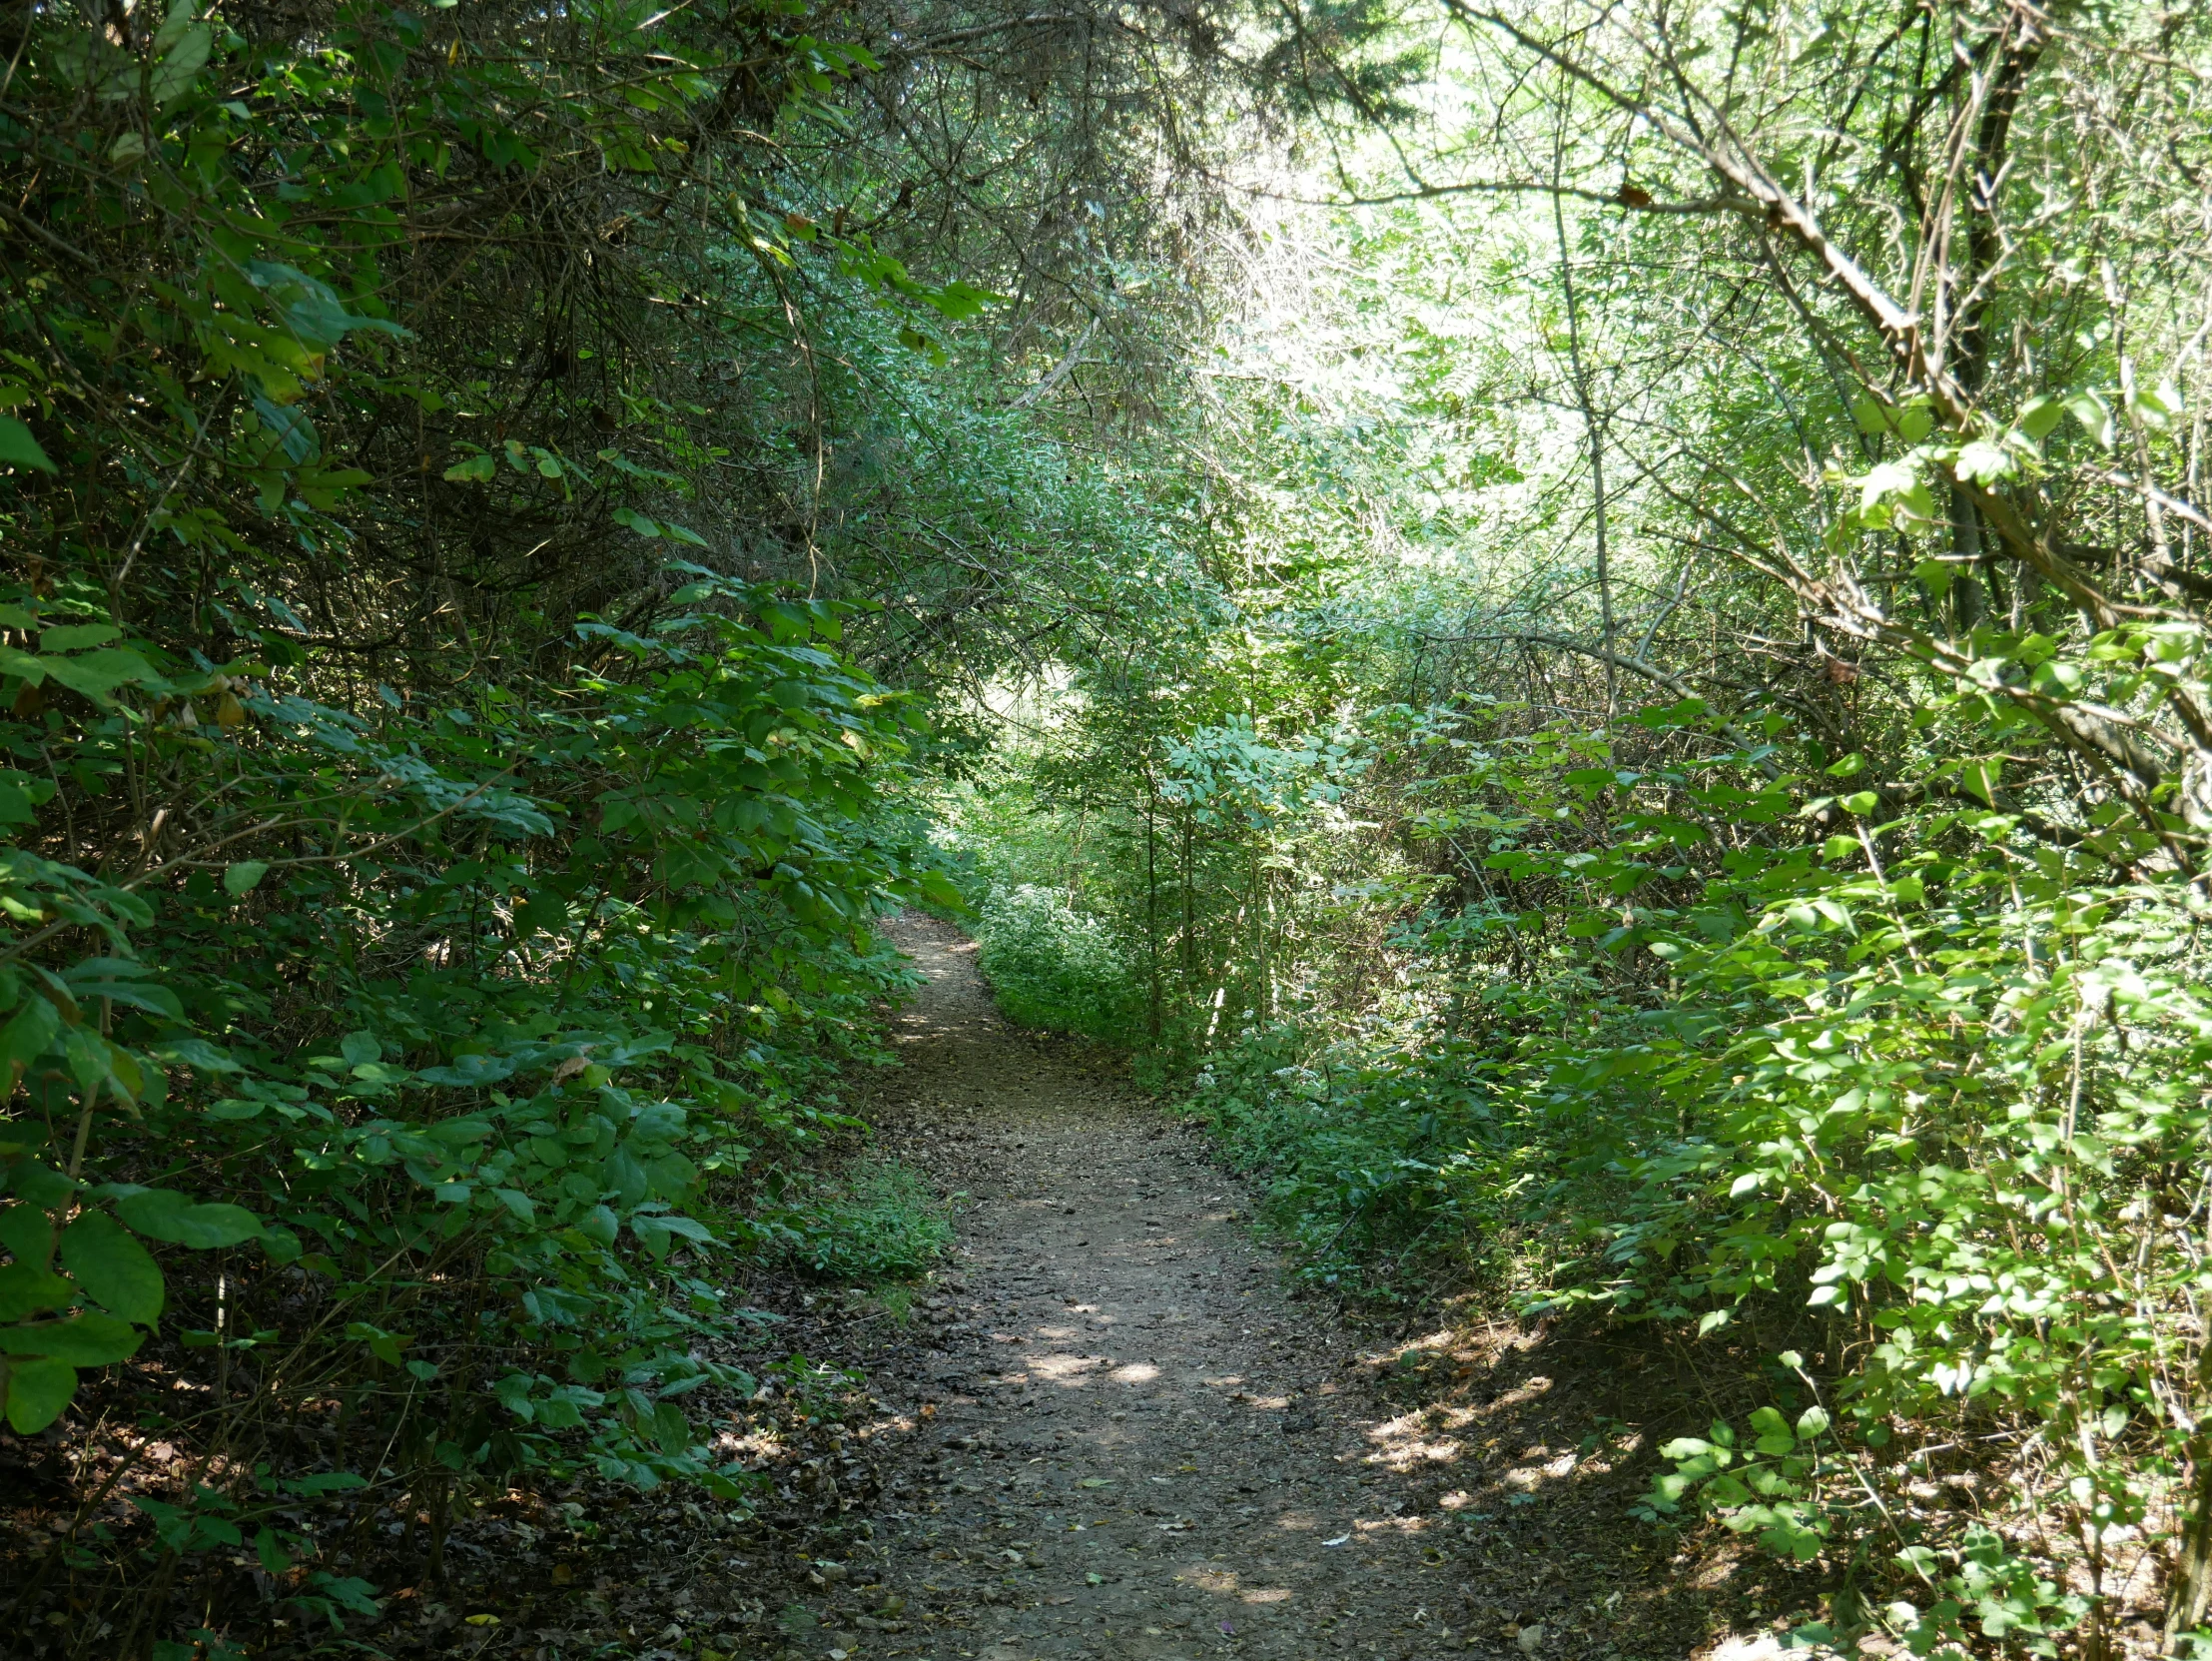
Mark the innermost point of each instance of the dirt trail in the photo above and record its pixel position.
(1143, 1450)
(1129, 1442)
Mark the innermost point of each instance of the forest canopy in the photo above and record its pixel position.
(1582, 626)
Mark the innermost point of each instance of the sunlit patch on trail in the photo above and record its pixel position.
(1063, 1370)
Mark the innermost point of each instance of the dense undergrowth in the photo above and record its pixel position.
(1682, 804)
(1054, 966)
(1624, 712)
(462, 473)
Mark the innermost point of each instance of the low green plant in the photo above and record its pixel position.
(1796, 1490)
(880, 1222)
(1362, 1163)
(1052, 966)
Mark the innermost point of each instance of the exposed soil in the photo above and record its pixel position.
(1124, 1439)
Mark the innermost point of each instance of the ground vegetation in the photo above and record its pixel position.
(1583, 626)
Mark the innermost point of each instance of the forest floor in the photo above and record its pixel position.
(1111, 1431)
(1104, 1426)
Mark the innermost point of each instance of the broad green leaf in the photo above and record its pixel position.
(2040, 416)
(89, 1339)
(77, 636)
(179, 18)
(165, 1215)
(196, 1052)
(19, 450)
(27, 1231)
(626, 1176)
(1982, 462)
(243, 877)
(37, 1394)
(138, 994)
(180, 66)
(40, 1184)
(26, 1288)
(29, 1032)
(518, 1204)
(98, 674)
(114, 1271)
(2095, 416)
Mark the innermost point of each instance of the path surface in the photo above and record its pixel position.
(1145, 1448)
(1127, 1440)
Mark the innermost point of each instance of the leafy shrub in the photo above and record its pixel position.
(1052, 966)
(1363, 1163)
(432, 1078)
(1925, 1094)
(882, 1222)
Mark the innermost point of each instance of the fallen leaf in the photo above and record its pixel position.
(1095, 1482)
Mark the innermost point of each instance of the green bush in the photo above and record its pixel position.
(882, 1223)
(1362, 1157)
(1052, 966)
